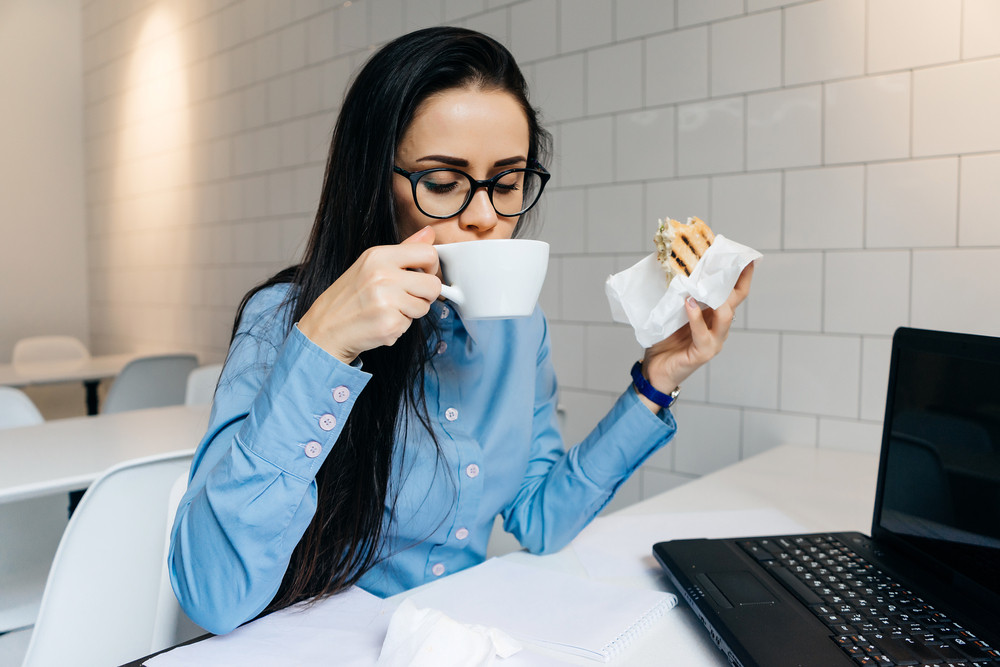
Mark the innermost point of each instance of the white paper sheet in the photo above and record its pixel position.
(621, 546)
(345, 630)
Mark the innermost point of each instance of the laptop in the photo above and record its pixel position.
(924, 588)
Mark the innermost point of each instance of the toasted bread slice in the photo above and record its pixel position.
(679, 245)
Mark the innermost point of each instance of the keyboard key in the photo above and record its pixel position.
(896, 650)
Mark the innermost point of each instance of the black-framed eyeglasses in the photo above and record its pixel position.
(444, 192)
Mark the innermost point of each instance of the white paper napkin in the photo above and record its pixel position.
(428, 638)
(639, 295)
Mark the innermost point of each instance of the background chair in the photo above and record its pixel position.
(108, 599)
(16, 409)
(30, 531)
(150, 382)
(48, 348)
(201, 384)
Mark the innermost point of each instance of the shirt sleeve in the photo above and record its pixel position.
(279, 408)
(562, 491)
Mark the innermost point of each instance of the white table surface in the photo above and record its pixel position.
(51, 372)
(68, 454)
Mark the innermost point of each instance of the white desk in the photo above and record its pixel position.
(821, 490)
(68, 454)
(89, 371)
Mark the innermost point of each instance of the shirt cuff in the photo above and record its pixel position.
(302, 407)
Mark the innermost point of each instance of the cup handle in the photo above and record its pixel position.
(452, 293)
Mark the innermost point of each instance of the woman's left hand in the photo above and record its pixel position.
(671, 361)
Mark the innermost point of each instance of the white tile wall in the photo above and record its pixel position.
(634, 133)
(850, 435)
(825, 208)
(677, 66)
(763, 430)
(614, 77)
(956, 290)
(783, 128)
(867, 119)
(875, 353)
(820, 374)
(955, 108)
(824, 41)
(708, 438)
(747, 208)
(746, 372)
(904, 34)
(635, 18)
(710, 136)
(787, 292)
(855, 303)
(746, 54)
(979, 200)
(979, 34)
(912, 204)
(854, 142)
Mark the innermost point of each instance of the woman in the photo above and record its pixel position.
(362, 432)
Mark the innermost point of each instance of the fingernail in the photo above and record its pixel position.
(691, 302)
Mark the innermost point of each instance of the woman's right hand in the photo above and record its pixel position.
(374, 302)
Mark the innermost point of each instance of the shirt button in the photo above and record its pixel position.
(445, 312)
(438, 569)
(313, 449)
(442, 346)
(327, 422)
(341, 394)
(451, 414)
(472, 470)
(461, 533)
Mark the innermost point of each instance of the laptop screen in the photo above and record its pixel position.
(939, 486)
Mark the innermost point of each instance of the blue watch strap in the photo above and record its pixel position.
(649, 391)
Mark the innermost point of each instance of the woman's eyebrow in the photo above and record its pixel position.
(462, 162)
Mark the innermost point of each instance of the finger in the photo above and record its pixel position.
(424, 235)
(426, 286)
(742, 288)
(413, 255)
(701, 335)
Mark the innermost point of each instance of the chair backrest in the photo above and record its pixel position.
(201, 384)
(16, 409)
(150, 382)
(105, 602)
(48, 348)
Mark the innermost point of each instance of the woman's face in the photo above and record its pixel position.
(481, 132)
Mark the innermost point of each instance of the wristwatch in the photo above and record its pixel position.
(649, 391)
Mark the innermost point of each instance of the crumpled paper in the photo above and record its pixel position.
(429, 638)
(640, 296)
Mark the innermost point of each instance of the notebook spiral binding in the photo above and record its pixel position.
(625, 639)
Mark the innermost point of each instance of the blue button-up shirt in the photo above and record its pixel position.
(491, 396)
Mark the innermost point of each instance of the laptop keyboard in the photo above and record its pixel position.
(871, 616)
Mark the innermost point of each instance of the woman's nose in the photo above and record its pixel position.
(479, 215)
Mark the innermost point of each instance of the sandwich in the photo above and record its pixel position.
(679, 245)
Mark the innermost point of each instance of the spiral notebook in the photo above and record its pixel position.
(551, 609)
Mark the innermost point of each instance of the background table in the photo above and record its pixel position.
(67, 454)
(89, 371)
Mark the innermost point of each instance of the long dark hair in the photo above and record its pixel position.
(356, 212)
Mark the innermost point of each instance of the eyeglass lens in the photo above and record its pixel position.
(443, 193)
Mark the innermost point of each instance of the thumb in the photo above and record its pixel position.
(425, 235)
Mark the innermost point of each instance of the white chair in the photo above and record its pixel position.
(48, 348)
(201, 384)
(16, 409)
(150, 382)
(108, 599)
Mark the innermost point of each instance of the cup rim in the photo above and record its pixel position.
(459, 243)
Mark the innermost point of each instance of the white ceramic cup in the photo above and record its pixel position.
(493, 279)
